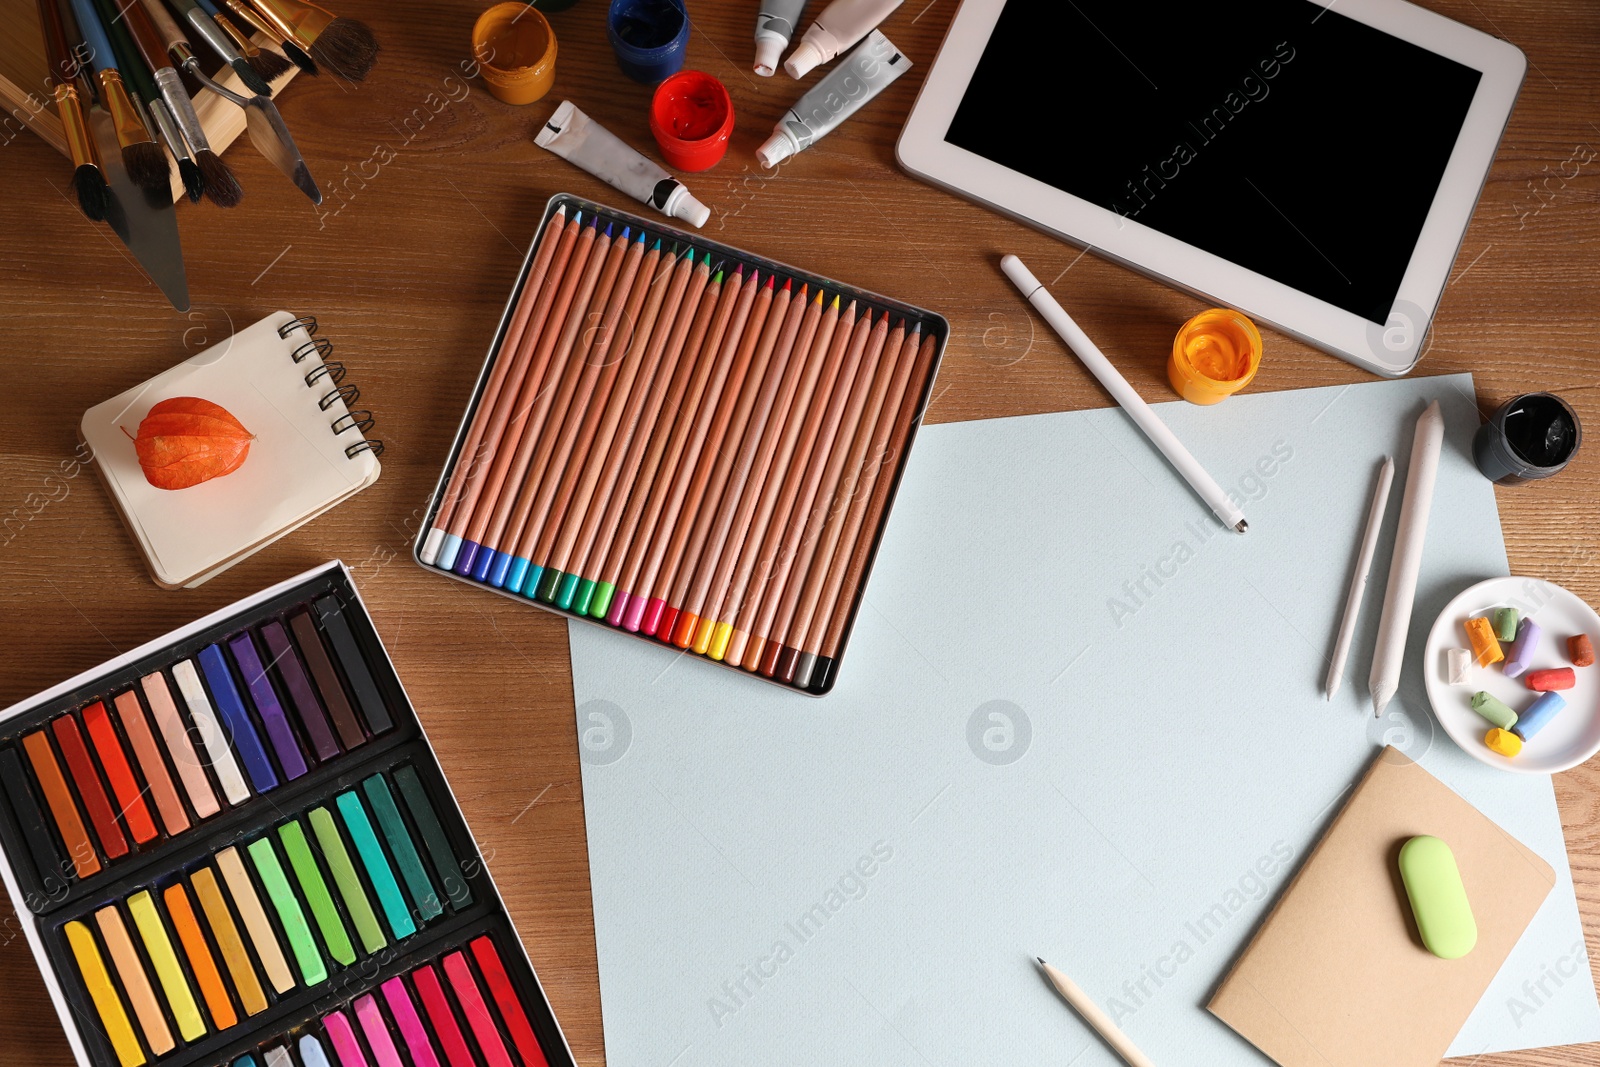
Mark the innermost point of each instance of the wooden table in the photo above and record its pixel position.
(433, 191)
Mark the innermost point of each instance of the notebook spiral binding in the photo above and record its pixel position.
(332, 373)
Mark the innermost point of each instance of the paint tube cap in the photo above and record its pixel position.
(777, 148)
(806, 55)
(682, 205)
(769, 49)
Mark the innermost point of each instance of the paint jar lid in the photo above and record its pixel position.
(691, 117)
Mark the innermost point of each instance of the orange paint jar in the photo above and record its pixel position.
(1215, 355)
(516, 52)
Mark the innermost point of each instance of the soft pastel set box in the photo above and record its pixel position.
(235, 841)
(684, 441)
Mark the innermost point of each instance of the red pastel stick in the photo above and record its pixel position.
(505, 996)
(92, 793)
(107, 746)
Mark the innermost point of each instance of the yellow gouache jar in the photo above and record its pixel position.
(1215, 355)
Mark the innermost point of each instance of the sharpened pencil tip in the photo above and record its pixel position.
(577, 219)
(788, 285)
(772, 281)
(1041, 960)
(708, 257)
(657, 247)
(562, 211)
(836, 301)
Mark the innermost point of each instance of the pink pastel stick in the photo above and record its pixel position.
(377, 1031)
(444, 1020)
(343, 1040)
(476, 1011)
(411, 1028)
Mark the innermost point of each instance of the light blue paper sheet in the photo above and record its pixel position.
(1077, 719)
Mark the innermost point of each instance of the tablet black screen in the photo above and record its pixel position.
(1277, 134)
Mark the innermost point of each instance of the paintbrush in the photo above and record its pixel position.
(344, 45)
(270, 65)
(266, 127)
(218, 42)
(297, 55)
(159, 40)
(142, 156)
(88, 180)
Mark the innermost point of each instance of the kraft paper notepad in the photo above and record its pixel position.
(1337, 976)
(309, 451)
(1083, 722)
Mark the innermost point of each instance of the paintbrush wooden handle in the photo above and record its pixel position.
(165, 26)
(146, 37)
(56, 49)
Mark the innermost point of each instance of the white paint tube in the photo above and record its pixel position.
(584, 143)
(840, 25)
(862, 75)
(774, 29)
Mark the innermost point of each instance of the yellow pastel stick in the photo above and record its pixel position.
(134, 980)
(112, 1014)
(229, 943)
(159, 946)
(254, 915)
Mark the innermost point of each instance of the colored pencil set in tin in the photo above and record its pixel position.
(235, 846)
(685, 442)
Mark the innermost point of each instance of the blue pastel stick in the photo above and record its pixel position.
(498, 572)
(266, 701)
(246, 741)
(448, 552)
(1538, 715)
(482, 564)
(377, 864)
(519, 574)
(311, 1053)
(465, 558)
(246, 1060)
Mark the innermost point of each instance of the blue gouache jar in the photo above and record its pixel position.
(649, 37)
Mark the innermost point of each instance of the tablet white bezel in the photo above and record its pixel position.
(1392, 349)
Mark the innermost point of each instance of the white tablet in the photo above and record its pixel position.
(1313, 165)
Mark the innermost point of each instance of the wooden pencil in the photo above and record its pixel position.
(682, 535)
(604, 362)
(843, 607)
(680, 473)
(730, 463)
(750, 469)
(620, 427)
(825, 524)
(684, 347)
(583, 265)
(511, 367)
(850, 507)
(778, 494)
(805, 522)
(543, 430)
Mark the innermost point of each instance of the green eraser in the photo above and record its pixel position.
(1438, 899)
(1505, 623)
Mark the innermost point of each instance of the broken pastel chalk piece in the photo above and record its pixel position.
(1522, 649)
(1505, 623)
(1494, 709)
(1580, 650)
(1457, 662)
(1503, 741)
(1548, 681)
(1538, 715)
(1485, 647)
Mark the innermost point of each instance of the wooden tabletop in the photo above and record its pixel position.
(434, 188)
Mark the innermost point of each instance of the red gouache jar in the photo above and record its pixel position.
(691, 117)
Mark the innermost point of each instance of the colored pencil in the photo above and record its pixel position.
(738, 351)
(866, 541)
(822, 527)
(688, 333)
(666, 496)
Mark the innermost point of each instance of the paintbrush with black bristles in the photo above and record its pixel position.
(297, 55)
(265, 62)
(206, 28)
(163, 43)
(142, 155)
(138, 69)
(88, 180)
(343, 45)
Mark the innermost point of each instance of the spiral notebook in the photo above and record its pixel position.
(310, 450)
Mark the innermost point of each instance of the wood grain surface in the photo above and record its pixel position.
(434, 188)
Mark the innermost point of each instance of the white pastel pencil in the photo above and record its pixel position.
(1095, 1017)
(1401, 595)
(1358, 581)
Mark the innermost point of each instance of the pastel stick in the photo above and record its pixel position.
(445, 863)
(315, 890)
(327, 679)
(240, 729)
(377, 865)
(301, 692)
(402, 848)
(291, 917)
(349, 883)
(265, 699)
(35, 832)
(331, 614)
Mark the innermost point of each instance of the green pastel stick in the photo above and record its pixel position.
(287, 905)
(349, 883)
(434, 840)
(316, 893)
(379, 872)
(401, 846)
(1505, 623)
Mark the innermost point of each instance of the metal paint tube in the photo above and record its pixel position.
(862, 75)
(584, 143)
(774, 30)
